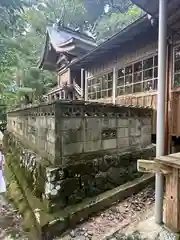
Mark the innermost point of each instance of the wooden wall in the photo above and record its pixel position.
(120, 60)
(63, 77)
(141, 99)
(175, 113)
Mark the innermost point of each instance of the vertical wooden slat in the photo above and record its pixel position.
(82, 82)
(172, 202)
(69, 76)
(114, 86)
(86, 87)
(175, 113)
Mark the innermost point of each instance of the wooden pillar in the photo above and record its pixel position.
(169, 166)
(86, 88)
(82, 82)
(114, 86)
(172, 204)
(171, 72)
(69, 76)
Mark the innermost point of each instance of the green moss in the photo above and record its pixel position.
(24, 200)
(38, 187)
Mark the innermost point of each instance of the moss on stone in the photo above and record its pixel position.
(23, 198)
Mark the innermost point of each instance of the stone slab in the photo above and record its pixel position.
(89, 206)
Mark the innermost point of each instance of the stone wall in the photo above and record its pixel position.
(74, 182)
(62, 130)
(68, 151)
(35, 127)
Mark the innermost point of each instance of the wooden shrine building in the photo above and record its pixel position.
(121, 70)
(140, 65)
(63, 46)
(124, 70)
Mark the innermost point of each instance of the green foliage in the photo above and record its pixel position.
(22, 34)
(116, 21)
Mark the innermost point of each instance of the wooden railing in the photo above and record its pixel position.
(78, 89)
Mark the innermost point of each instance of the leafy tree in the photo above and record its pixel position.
(22, 34)
(113, 22)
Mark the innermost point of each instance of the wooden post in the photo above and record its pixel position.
(169, 166)
(114, 86)
(82, 83)
(69, 76)
(86, 88)
(172, 203)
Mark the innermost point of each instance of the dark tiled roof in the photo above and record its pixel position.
(64, 40)
(152, 8)
(59, 38)
(140, 26)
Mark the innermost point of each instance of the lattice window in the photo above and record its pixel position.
(140, 76)
(100, 86)
(176, 66)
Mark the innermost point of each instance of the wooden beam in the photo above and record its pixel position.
(147, 166)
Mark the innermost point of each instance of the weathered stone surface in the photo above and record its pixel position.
(55, 174)
(122, 122)
(123, 143)
(63, 129)
(109, 144)
(67, 124)
(80, 147)
(72, 148)
(79, 169)
(92, 146)
(122, 160)
(69, 184)
(118, 176)
(101, 180)
(74, 182)
(106, 161)
(62, 189)
(87, 181)
(77, 196)
(72, 136)
(123, 132)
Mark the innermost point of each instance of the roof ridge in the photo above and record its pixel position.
(70, 30)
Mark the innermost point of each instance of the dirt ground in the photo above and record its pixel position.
(10, 222)
(119, 216)
(99, 227)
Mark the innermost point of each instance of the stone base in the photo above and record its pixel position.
(74, 214)
(41, 223)
(71, 184)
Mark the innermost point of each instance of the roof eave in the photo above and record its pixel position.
(43, 56)
(135, 24)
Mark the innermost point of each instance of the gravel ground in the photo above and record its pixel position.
(107, 225)
(164, 234)
(117, 217)
(10, 222)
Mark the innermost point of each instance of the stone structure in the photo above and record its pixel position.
(85, 148)
(67, 151)
(60, 130)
